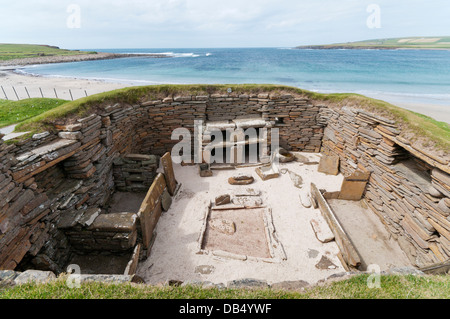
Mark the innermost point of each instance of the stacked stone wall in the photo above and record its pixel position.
(408, 188)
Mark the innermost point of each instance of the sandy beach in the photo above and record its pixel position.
(15, 84)
(48, 85)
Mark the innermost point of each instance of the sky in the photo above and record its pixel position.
(97, 24)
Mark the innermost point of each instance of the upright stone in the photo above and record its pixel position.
(329, 165)
(353, 186)
(169, 174)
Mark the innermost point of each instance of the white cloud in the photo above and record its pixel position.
(119, 23)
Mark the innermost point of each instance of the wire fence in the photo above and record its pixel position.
(20, 93)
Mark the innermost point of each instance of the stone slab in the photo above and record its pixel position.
(329, 165)
(169, 173)
(120, 223)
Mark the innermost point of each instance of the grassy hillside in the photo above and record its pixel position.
(13, 112)
(21, 51)
(394, 43)
(391, 287)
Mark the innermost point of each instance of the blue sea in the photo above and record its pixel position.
(403, 77)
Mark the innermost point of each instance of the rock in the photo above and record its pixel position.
(305, 200)
(443, 207)
(166, 200)
(290, 285)
(285, 156)
(248, 201)
(353, 186)
(204, 269)
(34, 276)
(205, 170)
(329, 165)
(228, 255)
(325, 264)
(301, 158)
(434, 192)
(8, 275)
(224, 226)
(312, 253)
(247, 283)
(241, 180)
(201, 284)
(40, 135)
(70, 135)
(223, 200)
(405, 271)
(115, 279)
(174, 283)
(322, 231)
(120, 223)
(447, 202)
(313, 201)
(296, 179)
(267, 172)
(89, 216)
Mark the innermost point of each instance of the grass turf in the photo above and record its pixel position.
(13, 112)
(391, 287)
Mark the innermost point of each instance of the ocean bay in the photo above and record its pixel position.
(406, 78)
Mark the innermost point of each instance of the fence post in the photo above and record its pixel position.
(71, 94)
(41, 92)
(55, 92)
(16, 93)
(85, 93)
(27, 92)
(4, 92)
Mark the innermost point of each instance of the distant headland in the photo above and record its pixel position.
(420, 43)
(28, 54)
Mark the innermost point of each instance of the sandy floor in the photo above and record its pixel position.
(78, 87)
(174, 252)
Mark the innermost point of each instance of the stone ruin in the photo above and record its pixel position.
(56, 187)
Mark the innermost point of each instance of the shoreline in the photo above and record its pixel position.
(35, 86)
(69, 88)
(15, 63)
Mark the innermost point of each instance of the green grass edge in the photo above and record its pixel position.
(438, 133)
(357, 287)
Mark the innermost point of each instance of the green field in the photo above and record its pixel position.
(390, 287)
(21, 51)
(394, 43)
(13, 112)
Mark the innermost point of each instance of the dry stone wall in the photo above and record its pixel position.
(55, 185)
(61, 177)
(408, 188)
